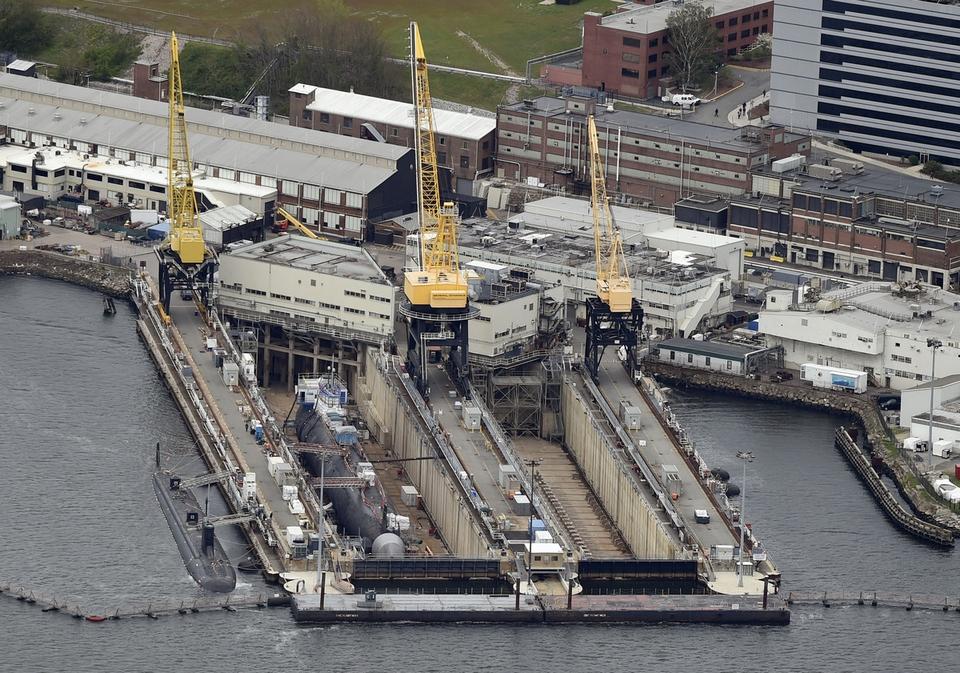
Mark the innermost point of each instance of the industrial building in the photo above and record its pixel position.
(649, 159)
(9, 217)
(877, 327)
(879, 75)
(676, 296)
(729, 358)
(311, 303)
(623, 52)
(335, 184)
(861, 220)
(466, 140)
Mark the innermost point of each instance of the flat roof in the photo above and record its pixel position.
(227, 216)
(20, 64)
(665, 129)
(647, 19)
(874, 180)
(701, 239)
(397, 113)
(308, 254)
(720, 349)
(564, 213)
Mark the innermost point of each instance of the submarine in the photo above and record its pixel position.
(363, 512)
(202, 553)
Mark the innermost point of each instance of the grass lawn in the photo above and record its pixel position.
(514, 30)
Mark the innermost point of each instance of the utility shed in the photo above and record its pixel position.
(717, 355)
(9, 217)
(230, 224)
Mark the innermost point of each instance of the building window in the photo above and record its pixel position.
(764, 13)
(756, 30)
(733, 21)
(464, 161)
(745, 18)
(156, 189)
(632, 42)
(442, 158)
(90, 176)
(653, 42)
(308, 115)
(673, 355)
(707, 361)
(259, 293)
(324, 118)
(630, 57)
(652, 58)
(732, 37)
(729, 364)
(632, 74)
(348, 122)
(689, 357)
(652, 74)
(136, 185)
(745, 33)
(442, 140)
(274, 295)
(115, 181)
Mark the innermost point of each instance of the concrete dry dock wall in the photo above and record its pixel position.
(609, 477)
(397, 429)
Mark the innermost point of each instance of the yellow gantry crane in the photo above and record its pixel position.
(438, 282)
(613, 281)
(186, 263)
(436, 304)
(614, 316)
(186, 234)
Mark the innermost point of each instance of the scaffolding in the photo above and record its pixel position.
(516, 403)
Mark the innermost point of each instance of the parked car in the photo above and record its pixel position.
(682, 99)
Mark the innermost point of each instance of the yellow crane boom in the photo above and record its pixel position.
(186, 234)
(301, 227)
(438, 283)
(613, 282)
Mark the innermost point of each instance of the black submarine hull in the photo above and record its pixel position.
(360, 512)
(212, 570)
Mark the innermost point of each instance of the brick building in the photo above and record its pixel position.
(873, 223)
(465, 140)
(649, 158)
(624, 52)
(149, 82)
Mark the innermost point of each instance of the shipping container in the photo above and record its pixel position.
(834, 378)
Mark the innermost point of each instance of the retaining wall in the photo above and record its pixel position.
(104, 278)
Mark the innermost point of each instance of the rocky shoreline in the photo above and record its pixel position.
(862, 408)
(110, 280)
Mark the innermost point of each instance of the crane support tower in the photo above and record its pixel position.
(436, 304)
(186, 263)
(614, 316)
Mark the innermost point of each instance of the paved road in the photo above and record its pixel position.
(754, 84)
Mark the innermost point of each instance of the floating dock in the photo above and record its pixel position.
(500, 609)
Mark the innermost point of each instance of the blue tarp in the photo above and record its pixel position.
(158, 231)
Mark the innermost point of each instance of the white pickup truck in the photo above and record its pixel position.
(682, 99)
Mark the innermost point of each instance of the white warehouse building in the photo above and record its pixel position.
(879, 328)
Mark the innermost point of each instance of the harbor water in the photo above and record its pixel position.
(83, 408)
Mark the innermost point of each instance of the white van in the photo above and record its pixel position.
(682, 99)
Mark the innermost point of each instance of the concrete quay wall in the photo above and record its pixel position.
(398, 430)
(860, 407)
(104, 278)
(608, 476)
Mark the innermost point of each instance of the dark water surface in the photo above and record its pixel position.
(82, 407)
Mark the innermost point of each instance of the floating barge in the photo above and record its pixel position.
(504, 608)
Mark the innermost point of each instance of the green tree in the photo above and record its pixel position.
(693, 44)
(23, 27)
(216, 71)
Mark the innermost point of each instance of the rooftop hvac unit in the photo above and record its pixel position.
(848, 166)
(822, 172)
(788, 164)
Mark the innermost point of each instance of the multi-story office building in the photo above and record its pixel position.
(623, 52)
(648, 158)
(880, 75)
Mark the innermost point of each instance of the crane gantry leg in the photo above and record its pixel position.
(609, 328)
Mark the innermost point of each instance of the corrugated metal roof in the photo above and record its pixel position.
(155, 113)
(139, 136)
(227, 216)
(395, 113)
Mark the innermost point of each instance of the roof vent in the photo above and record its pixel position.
(31, 111)
(83, 121)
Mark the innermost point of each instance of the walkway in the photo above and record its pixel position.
(473, 449)
(193, 330)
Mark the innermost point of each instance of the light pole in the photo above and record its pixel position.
(716, 77)
(745, 456)
(934, 344)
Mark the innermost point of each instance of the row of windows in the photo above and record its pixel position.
(840, 7)
(833, 126)
(907, 33)
(899, 49)
(830, 206)
(826, 91)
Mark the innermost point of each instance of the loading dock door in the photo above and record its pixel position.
(828, 260)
